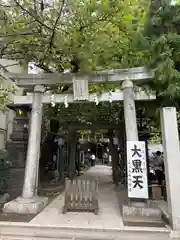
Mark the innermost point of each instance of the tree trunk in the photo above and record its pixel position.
(122, 153)
(115, 156)
(72, 155)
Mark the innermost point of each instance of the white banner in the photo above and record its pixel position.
(137, 170)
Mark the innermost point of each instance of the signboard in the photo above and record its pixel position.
(137, 170)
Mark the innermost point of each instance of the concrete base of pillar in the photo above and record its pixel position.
(142, 214)
(26, 206)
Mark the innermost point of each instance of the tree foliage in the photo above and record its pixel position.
(162, 38)
(79, 35)
(5, 93)
(84, 35)
(87, 113)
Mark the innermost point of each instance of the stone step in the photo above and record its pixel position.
(148, 215)
(26, 231)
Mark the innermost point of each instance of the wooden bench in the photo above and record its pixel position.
(81, 195)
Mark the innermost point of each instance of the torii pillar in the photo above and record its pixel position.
(130, 120)
(171, 148)
(129, 111)
(29, 202)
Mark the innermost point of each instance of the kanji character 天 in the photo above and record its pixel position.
(137, 182)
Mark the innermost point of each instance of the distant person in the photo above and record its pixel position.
(158, 167)
(105, 158)
(93, 158)
(117, 175)
(77, 167)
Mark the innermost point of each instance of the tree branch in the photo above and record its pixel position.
(3, 68)
(3, 71)
(6, 6)
(19, 34)
(55, 25)
(32, 15)
(3, 49)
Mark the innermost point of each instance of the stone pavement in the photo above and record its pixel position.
(51, 224)
(109, 216)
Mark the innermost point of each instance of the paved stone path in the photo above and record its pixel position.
(109, 216)
(51, 224)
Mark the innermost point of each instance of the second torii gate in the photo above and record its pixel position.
(29, 202)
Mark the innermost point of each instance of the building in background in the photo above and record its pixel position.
(6, 119)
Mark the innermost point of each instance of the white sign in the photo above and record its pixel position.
(137, 170)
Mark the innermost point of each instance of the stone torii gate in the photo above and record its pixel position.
(29, 202)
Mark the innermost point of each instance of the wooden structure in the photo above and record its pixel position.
(81, 195)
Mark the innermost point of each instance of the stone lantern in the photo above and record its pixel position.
(17, 148)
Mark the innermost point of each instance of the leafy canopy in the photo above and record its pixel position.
(5, 93)
(80, 35)
(162, 38)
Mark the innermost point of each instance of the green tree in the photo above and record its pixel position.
(5, 93)
(6, 90)
(79, 35)
(162, 38)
